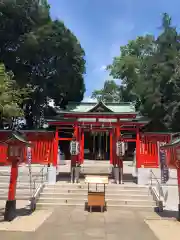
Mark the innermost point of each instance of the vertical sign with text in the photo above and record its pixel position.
(162, 162)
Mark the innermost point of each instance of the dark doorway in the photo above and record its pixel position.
(96, 145)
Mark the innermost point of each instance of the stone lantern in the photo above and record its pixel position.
(16, 154)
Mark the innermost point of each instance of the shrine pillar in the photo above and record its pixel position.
(118, 157)
(111, 147)
(75, 150)
(82, 147)
(114, 157)
(143, 174)
(52, 168)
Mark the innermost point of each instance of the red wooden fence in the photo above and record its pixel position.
(42, 146)
(43, 143)
(149, 155)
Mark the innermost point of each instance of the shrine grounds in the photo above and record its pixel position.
(71, 223)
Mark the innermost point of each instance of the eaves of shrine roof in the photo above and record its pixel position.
(85, 107)
(137, 120)
(173, 143)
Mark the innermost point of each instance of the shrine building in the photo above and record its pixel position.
(97, 127)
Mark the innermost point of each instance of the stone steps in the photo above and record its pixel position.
(113, 207)
(81, 186)
(76, 194)
(18, 197)
(108, 191)
(109, 201)
(84, 195)
(99, 171)
(20, 185)
(20, 178)
(23, 182)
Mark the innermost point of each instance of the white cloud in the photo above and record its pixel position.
(103, 68)
(99, 69)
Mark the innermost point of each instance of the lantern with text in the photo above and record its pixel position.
(120, 148)
(74, 148)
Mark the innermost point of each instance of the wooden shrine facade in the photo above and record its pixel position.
(45, 144)
(118, 121)
(120, 125)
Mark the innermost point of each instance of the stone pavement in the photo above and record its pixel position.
(71, 223)
(165, 229)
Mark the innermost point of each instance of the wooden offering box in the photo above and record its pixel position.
(96, 196)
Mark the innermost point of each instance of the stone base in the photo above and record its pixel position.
(179, 212)
(143, 176)
(116, 174)
(134, 172)
(51, 174)
(77, 174)
(10, 211)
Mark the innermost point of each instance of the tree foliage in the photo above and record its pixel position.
(11, 97)
(43, 54)
(149, 69)
(109, 93)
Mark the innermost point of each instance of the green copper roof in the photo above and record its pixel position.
(173, 143)
(15, 135)
(112, 107)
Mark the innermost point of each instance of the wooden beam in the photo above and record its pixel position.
(64, 139)
(104, 124)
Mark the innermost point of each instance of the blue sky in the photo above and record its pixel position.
(102, 26)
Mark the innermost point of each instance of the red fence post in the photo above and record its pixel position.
(56, 145)
(111, 147)
(138, 159)
(79, 158)
(82, 145)
(178, 177)
(10, 209)
(119, 158)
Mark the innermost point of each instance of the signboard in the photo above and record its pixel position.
(96, 179)
(29, 155)
(163, 164)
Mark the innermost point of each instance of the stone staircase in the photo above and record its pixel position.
(128, 195)
(23, 191)
(117, 196)
(96, 167)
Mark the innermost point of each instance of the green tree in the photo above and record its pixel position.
(43, 54)
(109, 93)
(58, 65)
(149, 70)
(11, 98)
(130, 64)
